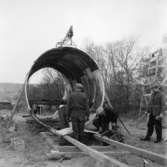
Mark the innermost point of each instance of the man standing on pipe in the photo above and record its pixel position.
(78, 110)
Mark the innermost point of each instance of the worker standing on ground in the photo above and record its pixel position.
(78, 110)
(155, 115)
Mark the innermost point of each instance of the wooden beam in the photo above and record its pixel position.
(100, 157)
(160, 159)
(75, 149)
(51, 143)
(80, 153)
(13, 112)
(107, 161)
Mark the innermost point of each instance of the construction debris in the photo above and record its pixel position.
(17, 144)
(57, 155)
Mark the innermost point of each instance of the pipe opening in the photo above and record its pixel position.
(72, 65)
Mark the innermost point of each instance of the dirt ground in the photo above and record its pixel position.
(32, 153)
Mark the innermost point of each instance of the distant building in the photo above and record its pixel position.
(156, 72)
(157, 65)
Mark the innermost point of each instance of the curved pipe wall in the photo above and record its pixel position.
(75, 65)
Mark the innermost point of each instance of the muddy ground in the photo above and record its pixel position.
(32, 153)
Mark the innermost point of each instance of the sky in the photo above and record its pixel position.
(30, 27)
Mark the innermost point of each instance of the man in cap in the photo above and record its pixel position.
(78, 110)
(155, 114)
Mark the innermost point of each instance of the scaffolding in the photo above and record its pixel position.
(155, 74)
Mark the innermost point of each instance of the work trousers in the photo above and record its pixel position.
(78, 127)
(63, 119)
(153, 123)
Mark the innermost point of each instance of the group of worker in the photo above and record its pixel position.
(77, 111)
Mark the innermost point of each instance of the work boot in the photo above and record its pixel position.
(145, 139)
(157, 141)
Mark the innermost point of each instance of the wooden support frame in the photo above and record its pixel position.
(101, 157)
(160, 159)
(74, 151)
(13, 112)
(107, 161)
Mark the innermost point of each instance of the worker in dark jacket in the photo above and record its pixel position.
(155, 115)
(110, 115)
(104, 118)
(78, 110)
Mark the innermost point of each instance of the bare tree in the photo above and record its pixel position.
(118, 63)
(52, 84)
(98, 54)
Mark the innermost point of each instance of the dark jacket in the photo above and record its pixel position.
(155, 106)
(78, 105)
(110, 114)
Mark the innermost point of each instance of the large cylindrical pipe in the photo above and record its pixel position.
(74, 64)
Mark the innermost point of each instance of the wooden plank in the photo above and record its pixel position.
(160, 159)
(75, 149)
(107, 161)
(13, 112)
(80, 154)
(51, 143)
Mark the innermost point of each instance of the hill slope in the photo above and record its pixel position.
(8, 91)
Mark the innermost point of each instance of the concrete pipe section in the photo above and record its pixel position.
(75, 66)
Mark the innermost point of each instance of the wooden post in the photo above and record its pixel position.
(15, 106)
